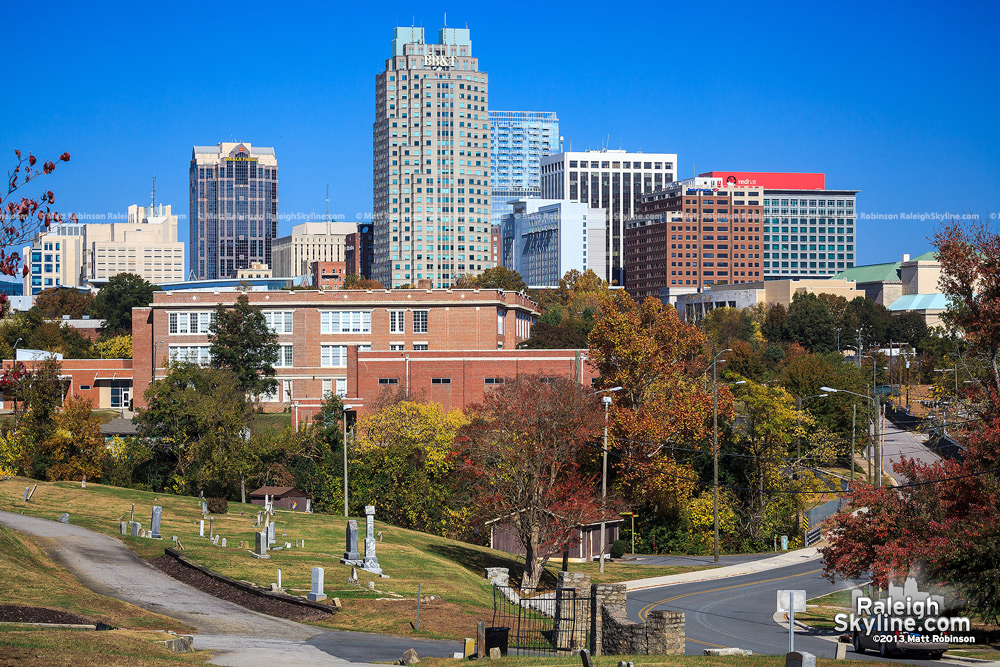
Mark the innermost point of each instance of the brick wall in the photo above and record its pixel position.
(90, 378)
(612, 632)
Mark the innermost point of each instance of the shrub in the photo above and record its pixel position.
(618, 548)
(217, 505)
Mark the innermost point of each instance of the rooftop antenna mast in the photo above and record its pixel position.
(328, 202)
(446, 19)
(152, 197)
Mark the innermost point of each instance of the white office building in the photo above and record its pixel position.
(613, 180)
(310, 242)
(544, 238)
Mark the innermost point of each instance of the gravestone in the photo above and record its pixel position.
(223, 542)
(215, 539)
(134, 527)
(83, 483)
(288, 545)
(316, 592)
(211, 533)
(351, 555)
(201, 528)
(204, 507)
(260, 517)
(303, 544)
(370, 562)
(142, 532)
(154, 522)
(308, 505)
(353, 579)
(270, 534)
(26, 490)
(124, 525)
(64, 518)
(260, 545)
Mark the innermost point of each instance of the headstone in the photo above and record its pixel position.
(380, 536)
(316, 592)
(279, 578)
(303, 544)
(64, 518)
(371, 585)
(142, 532)
(260, 517)
(223, 542)
(26, 490)
(495, 653)
(351, 554)
(124, 527)
(480, 639)
(83, 483)
(288, 545)
(353, 579)
(260, 545)
(154, 522)
(215, 539)
(370, 563)
(308, 505)
(204, 507)
(800, 659)
(270, 534)
(211, 533)
(134, 527)
(585, 658)
(201, 528)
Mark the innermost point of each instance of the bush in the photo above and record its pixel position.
(217, 505)
(618, 548)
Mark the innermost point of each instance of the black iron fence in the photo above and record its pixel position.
(537, 622)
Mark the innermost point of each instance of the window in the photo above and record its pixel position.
(346, 321)
(327, 387)
(492, 380)
(396, 347)
(190, 323)
(120, 393)
(84, 387)
(388, 380)
(333, 356)
(420, 321)
(396, 318)
(284, 357)
(341, 387)
(501, 314)
(440, 380)
(279, 321)
(547, 380)
(195, 354)
(417, 347)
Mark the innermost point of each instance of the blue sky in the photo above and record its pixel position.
(898, 100)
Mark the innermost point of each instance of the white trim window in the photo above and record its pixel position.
(420, 321)
(501, 315)
(342, 387)
(195, 354)
(397, 320)
(190, 323)
(333, 356)
(345, 321)
(284, 357)
(279, 321)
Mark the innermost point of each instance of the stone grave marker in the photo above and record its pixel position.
(211, 533)
(124, 526)
(223, 542)
(64, 518)
(83, 482)
(260, 545)
(353, 579)
(201, 528)
(142, 532)
(351, 555)
(204, 507)
(154, 522)
(370, 563)
(316, 592)
(134, 527)
(26, 490)
(308, 505)
(270, 534)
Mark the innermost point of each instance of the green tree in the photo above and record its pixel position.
(872, 318)
(773, 326)
(75, 448)
(115, 301)
(200, 417)
(354, 281)
(810, 324)
(499, 277)
(724, 326)
(58, 301)
(243, 343)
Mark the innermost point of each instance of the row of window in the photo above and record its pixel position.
(280, 322)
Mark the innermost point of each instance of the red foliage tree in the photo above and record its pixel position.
(21, 220)
(944, 525)
(524, 449)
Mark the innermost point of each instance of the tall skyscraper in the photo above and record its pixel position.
(518, 142)
(614, 180)
(234, 208)
(431, 180)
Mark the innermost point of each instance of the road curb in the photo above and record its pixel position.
(783, 560)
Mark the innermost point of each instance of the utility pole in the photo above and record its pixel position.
(854, 417)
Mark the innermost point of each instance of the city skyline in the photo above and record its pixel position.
(868, 118)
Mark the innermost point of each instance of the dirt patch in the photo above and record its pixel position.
(438, 618)
(12, 613)
(223, 591)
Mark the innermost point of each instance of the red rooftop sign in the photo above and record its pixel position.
(770, 180)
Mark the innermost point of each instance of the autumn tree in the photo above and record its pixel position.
(75, 447)
(525, 446)
(725, 326)
(116, 299)
(58, 301)
(243, 343)
(22, 217)
(496, 277)
(354, 281)
(944, 525)
(114, 347)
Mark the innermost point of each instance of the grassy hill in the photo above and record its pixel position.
(449, 570)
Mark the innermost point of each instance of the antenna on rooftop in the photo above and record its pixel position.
(152, 197)
(446, 19)
(327, 202)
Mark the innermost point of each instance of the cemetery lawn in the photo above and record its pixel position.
(87, 648)
(450, 571)
(32, 579)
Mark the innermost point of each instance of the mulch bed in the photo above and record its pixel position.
(12, 613)
(223, 591)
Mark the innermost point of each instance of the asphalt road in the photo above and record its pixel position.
(899, 443)
(240, 636)
(736, 559)
(738, 612)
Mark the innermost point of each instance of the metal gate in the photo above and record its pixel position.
(542, 621)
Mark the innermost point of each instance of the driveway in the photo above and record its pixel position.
(238, 635)
(899, 443)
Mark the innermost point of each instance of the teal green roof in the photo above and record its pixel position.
(871, 273)
(929, 256)
(936, 301)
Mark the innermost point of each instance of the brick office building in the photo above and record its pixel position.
(319, 330)
(106, 382)
(694, 233)
(328, 275)
(359, 251)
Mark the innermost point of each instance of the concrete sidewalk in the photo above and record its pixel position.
(783, 560)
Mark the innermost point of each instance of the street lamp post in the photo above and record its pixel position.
(715, 446)
(606, 400)
(877, 453)
(344, 410)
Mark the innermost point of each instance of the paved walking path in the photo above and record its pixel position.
(239, 636)
(761, 565)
